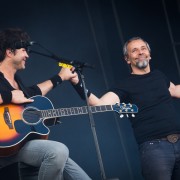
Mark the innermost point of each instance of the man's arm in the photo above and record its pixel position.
(174, 90)
(63, 75)
(45, 86)
(109, 98)
(15, 96)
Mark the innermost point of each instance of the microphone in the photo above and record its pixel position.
(80, 64)
(30, 43)
(23, 44)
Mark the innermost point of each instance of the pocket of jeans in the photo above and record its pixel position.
(149, 146)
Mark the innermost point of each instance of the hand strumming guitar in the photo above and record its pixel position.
(18, 97)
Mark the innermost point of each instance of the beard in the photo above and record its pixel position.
(142, 64)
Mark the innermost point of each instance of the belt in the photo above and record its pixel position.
(172, 138)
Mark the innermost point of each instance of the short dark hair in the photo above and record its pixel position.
(12, 38)
(130, 40)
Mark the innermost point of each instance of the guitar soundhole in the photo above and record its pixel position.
(31, 116)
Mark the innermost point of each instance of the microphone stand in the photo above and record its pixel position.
(78, 68)
(92, 123)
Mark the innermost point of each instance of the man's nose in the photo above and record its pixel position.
(140, 51)
(27, 55)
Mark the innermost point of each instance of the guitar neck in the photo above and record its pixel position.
(53, 113)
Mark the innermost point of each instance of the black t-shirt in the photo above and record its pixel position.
(28, 91)
(156, 117)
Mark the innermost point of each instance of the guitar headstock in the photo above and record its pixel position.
(123, 108)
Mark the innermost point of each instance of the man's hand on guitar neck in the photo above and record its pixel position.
(19, 98)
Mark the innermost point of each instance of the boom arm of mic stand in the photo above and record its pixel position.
(77, 64)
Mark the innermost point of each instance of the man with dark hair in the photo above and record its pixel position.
(51, 157)
(156, 125)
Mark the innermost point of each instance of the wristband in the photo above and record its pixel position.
(6, 97)
(79, 89)
(56, 80)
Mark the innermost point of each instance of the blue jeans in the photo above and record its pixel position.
(51, 158)
(160, 160)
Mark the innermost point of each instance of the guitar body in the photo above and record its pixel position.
(15, 131)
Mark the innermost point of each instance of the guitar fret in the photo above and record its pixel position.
(107, 108)
(45, 113)
(58, 113)
(54, 112)
(93, 109)
(79, 109)
(75, 110)
(49, 113)
(72, 111)
(68, 111)
(63, 112)
(42, 113)
(85, 111)
(98, 108)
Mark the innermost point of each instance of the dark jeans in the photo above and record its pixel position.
(22, 172)
(160, 160)
(28, 172)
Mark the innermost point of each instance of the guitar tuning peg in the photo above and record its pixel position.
(127, 115)
(133, 115)
(121, 115)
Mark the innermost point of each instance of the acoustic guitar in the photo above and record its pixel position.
(21, 123)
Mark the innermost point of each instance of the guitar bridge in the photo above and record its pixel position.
(7, 118)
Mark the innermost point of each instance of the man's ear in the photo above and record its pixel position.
(9, 52)
(127, 60)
